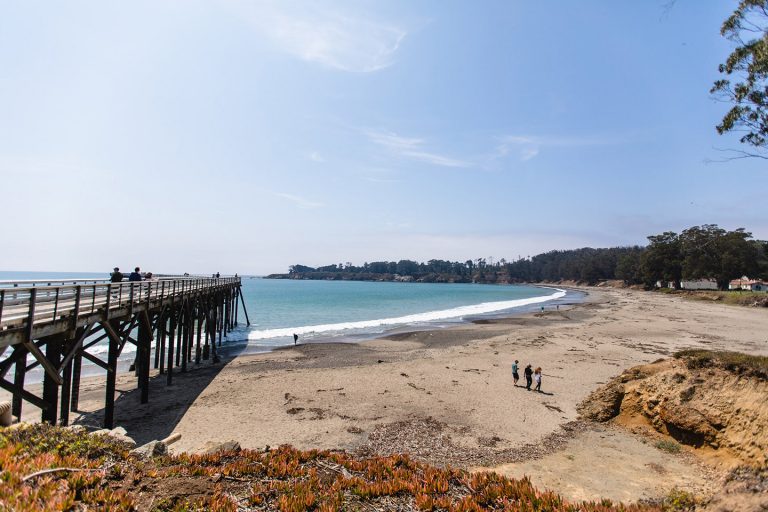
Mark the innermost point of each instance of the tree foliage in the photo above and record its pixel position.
(746, 69)
(699, 252)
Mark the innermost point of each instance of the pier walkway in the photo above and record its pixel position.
(52, 324)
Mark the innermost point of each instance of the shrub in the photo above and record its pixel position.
(734, 362)
(667, 445)
(679, 500)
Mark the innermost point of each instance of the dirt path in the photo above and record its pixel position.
(614, 464)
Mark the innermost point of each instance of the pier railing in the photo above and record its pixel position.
(178, 319)
(25, 305)
(25, 283)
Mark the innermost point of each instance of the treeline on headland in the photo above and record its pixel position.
(699, 252)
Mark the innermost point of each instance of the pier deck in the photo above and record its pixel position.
(52, 324)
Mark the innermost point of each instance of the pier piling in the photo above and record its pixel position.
(57, 324)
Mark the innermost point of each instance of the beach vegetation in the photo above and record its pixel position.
(734, 362)
(95, 472)
(668, 445)
(679, 500)
(731, 297)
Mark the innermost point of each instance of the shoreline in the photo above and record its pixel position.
(239, 347)
(446, 395)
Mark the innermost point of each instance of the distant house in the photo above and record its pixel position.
(698, 284)
(665, 284)
(747, 284)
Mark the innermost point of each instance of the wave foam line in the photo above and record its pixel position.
(430, 316)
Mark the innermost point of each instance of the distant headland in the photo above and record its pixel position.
(697, 253)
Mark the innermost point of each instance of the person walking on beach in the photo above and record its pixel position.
(135, 275)
(295, 338)
(515, 375)
(537, 378)
(528, 377)
(116, 276)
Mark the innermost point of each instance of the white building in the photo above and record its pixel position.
(747, 284)
(698, 284)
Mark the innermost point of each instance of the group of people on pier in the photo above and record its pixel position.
(117, 277)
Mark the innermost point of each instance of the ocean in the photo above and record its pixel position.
(351, 311)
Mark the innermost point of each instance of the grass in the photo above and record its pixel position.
(667, 445)
(678, 500)
(734, 362)
(283, 479)
(734, 298)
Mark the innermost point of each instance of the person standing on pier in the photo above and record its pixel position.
(116, 276)
(135, 275)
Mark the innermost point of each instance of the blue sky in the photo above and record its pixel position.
(245, 136)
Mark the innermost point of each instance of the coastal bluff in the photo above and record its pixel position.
(713, 402)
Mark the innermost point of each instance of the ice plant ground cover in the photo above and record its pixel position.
(51, 468)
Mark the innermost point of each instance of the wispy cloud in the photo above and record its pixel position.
(529, 146)
(380, 175)
(316, 157)
(412, 148)
(528, 153)
(326, 35)
(299, 201)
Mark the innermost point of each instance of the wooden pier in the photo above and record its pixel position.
(52, 324)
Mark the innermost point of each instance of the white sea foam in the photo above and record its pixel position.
(418, 318)
(103, 348)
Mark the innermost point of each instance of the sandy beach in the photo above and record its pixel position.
(446, 396)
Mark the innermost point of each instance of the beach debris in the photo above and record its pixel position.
(214, 447)
(155, 447)
(150, 449)
(289, 398)
(354, 430)
(430, 440)
(119, 433)
(319, 414)
(294, 410)
(414, 386)
(489, 441)
(553, 407)
(6, 418)
(403, 374)
(172, 438)
(44, 472)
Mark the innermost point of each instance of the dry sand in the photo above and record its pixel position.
(447, 395)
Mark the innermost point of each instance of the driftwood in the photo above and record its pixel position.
(59, 470)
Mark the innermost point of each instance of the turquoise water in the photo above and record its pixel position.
(352, 310)
(344, 311)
